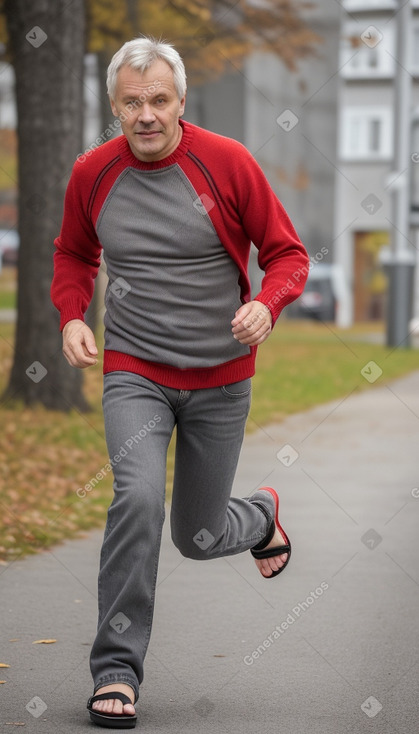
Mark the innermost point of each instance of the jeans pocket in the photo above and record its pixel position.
(237, 390)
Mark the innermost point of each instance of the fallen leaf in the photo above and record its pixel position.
(46, 642)
(218, 656)
(3, 681)
(4, 665)
(15, 639)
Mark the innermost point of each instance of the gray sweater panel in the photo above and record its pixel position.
(173, 288)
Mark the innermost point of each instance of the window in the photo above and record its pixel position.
(352, 6)
(375, 132)
(366, 133)
(367, 51)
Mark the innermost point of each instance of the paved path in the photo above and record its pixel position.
(8, 315)
(331, 647)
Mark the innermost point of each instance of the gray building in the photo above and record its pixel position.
(364, 174)
(288, 122)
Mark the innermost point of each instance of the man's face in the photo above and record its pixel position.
(149, 108)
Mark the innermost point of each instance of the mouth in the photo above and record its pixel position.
(147, 134)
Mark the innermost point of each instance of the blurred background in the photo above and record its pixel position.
(331, 65)
(324, 94)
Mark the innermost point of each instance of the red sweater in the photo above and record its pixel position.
(243, 209)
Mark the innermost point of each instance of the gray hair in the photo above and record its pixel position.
(139, 54)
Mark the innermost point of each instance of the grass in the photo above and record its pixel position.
(7, 287)
(304, 364)
(47, 459)
(8, 156)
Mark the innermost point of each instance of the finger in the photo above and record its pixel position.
(254, 329)
(254, 339)
(90, 344)
(70, 355)
(241, 313)
(77, 357)
(257, 315)
(86, 360)
(251, 323)
(248, 329)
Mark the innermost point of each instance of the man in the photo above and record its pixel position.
(174, 209)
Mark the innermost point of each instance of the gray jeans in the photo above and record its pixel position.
(205, 521)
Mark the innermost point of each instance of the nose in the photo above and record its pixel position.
(146, 114)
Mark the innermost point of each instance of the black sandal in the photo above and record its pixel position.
(260, 551)
(111, 721)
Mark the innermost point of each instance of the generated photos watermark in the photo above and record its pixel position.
(123, 451)
(292, 281)
(123, 117)
(281, 628)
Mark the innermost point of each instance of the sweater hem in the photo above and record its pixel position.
(182, 379)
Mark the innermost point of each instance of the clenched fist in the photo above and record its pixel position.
(79, 346)
(252, 323)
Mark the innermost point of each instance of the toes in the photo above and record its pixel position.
(118, 707)
(279, 561)
(114, 706)
(267, 565)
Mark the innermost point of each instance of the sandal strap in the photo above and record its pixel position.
(271, 526)
(109, 696)
(270, 552)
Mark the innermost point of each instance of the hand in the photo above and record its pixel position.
(79, 346)
(252, 323)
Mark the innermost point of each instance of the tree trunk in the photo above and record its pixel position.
(47, 48)
(106, 116)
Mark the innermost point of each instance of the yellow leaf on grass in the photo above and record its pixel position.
(46, 642)
(4, 665)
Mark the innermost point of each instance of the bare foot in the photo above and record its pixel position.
(113, 705)
(267, 565)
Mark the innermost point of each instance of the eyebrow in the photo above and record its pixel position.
(127, 97)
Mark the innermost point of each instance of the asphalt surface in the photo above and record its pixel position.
(331, 646)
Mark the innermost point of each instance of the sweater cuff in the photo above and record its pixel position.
(274, 304)
(70, 310)
(279, 298)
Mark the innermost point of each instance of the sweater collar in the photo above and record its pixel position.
(130, 160)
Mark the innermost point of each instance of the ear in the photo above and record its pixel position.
(113, 107)
(182, 105)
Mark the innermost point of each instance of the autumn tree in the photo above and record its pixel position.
(210, 35)
(46, 46)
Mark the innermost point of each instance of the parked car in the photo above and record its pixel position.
(318, 300)
(9, 247)
(322, 294)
